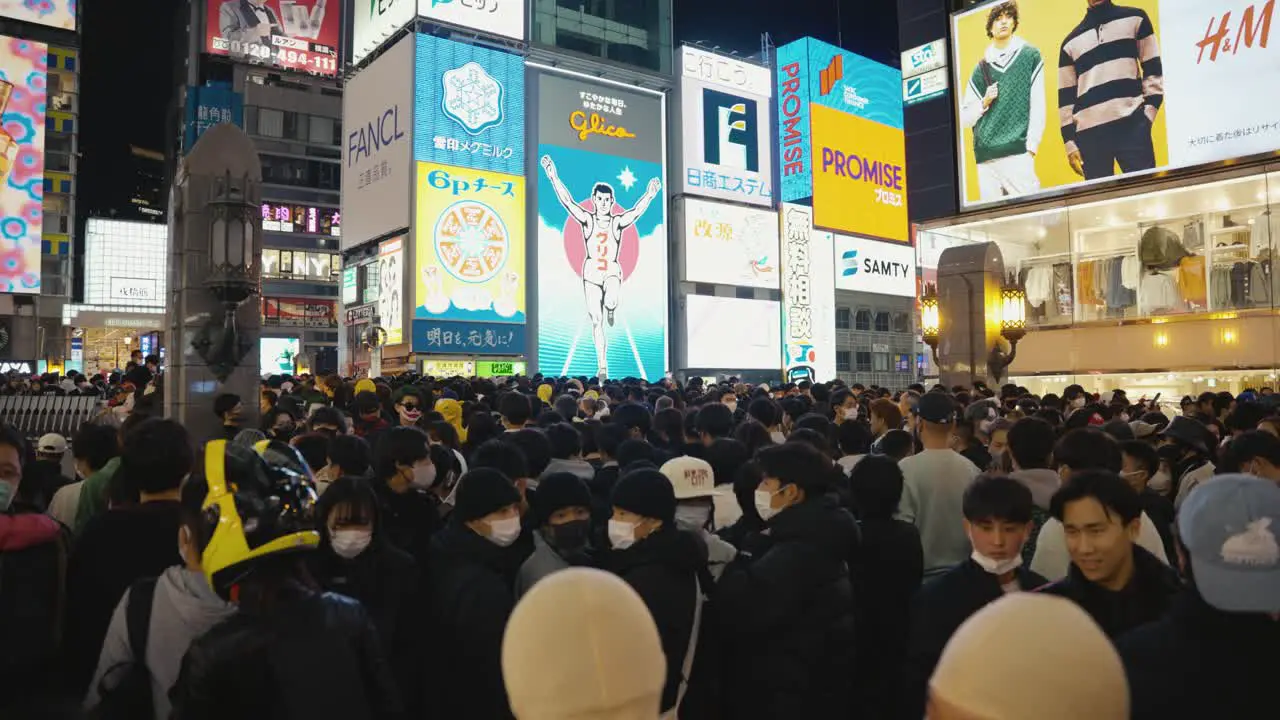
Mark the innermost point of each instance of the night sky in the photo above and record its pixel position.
(128, 82)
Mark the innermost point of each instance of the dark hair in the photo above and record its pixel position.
(95, 444)
(1247, 446)
(753, 435)
(855, 438)
(547, 418)
(502, 456)
(838, 397)
(535, 446)
(156, 456)
(716, 420)
(1087, 449)
(1031, 442)
(482, 427)
(812, 438)
(897, 444)
(997, 497)
(875, 486)
(764, 410)
(1144, 454)
(564, 439)
(443, 432)
(633, 451)
(191, 510)
(314, 448)
(602, 188)
(795, 463)
(350, 453)
(670, 423)
(329, 416)
(1118, 429)
(401, 445)
(632, 416)
(726, 457)
(515, 408)
(408, 391)
(11, 437)
(1106, 487)
(1008, 8)
(224, 403)
(609, 437)
(567, 406)
(347, 489)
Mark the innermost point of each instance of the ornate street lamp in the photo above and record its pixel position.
(232, 276)
(1013, 326)
(930, 319)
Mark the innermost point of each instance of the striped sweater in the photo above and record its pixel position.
(1109, 68)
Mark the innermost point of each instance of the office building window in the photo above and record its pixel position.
(862, 320)
(880, 362)
(321, 130)
(844, 319)
(844, 361)
(902, 363)
(270, 123)
(882, 321)
(901, 323)
(864, 361)
(745, 293)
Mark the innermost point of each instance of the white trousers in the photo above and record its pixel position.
(1007, 177)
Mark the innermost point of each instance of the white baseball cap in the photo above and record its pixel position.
(690, 477)
(52, 444)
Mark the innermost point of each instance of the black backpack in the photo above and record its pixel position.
(131, 697)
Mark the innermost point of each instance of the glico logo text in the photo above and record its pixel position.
(856, 167)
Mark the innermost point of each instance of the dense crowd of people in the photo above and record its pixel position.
(542, 548)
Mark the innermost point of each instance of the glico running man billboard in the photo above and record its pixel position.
(23, 89)
(840, 139)
(1053, 95)
(300, 35)
(602, 230)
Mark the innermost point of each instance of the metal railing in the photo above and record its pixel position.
(35, 416)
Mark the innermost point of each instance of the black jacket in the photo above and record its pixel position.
(385, 581)
(786, 617)
(40, 480)
(1199, 662)
(937, 611)
(409, 519)
(32, 606)
(116, 548)
(1160, 510)
(662, 569)
(471, 596)
(886, 575)
(1143, 600)
(309, 655)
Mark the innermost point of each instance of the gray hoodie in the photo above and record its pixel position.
(185, 607)
(1042, 483)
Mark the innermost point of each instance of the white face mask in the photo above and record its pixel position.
(851, 413)
(504, 532)
(733, 406)
(622, 535)
(350, 543)
(424, 476)
(764, 505)
(692, 517)
(997, 567)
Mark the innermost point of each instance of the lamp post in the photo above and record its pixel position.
(232, 277)
(1013, 326)
(930, 319)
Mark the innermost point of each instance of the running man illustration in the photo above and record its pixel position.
(601, 271)
(1004, 104)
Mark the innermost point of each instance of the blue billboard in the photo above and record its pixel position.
(795, 156)
(209, 105)
(469, 104)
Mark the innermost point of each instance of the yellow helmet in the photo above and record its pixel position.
(261, 503)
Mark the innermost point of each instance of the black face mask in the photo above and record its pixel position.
(569, 537)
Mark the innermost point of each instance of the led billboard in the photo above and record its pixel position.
(391, 259)
(377, 157)
(470, 106)
(726, 146)
(59, 14)
(808, 298)
(300, 35)
(731, 333)
(125, 263)
(874, 266)
(374, 21)
(602, 230)
(278, 356)
(497, 17)
(730, 244)
(23, 93)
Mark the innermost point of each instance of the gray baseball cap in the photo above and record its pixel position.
(1229, 526)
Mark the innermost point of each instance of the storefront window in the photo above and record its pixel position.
(1205, 248)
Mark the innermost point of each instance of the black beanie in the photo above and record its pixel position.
(648, 493)
(558, 491)
(483, 491)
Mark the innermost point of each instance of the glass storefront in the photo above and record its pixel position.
(1170, 284)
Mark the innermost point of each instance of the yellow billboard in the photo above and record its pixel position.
(859, 176)
(470, 245)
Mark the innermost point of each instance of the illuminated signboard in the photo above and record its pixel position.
(602, 230)
(276, 356)
(350, 286)
(808, 297)
(284, 312)
(301, 219)
(299, 265)
(298, 35)
(126, 263)
(59, 14)
(23, 93)
(730, 244)
(726, 149)
(372, 283)
(470, 106)
(376, 20)
(497, 17)
(873, 266)
(841, 139)
(470, 246)
(449, 368)
(731, 333)
(391, 261)
(500, 369)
